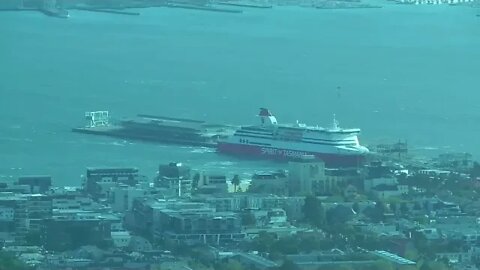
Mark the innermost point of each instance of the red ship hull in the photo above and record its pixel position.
(331, 160)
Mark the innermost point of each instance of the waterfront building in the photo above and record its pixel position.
(145, 217)
(229, 202)
(62, 233)
(99, 181)
(176, 178)
(212, 183)
(10, 201)
(270, 183)
(7, 224)
(307, 176)
(37, 183)
(39, 207)
(192, 227)
(342, 177)
(124, 195)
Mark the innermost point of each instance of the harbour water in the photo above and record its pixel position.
(400, 72)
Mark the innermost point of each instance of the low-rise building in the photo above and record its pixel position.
(18, 203)
(212, 183)
(293, 206)
(176, 178)
(39, 207)
(386, 191)
(37, 183)
(121, 239)
(326, 259)
(190, 227)
(145, 216)
(379, 229)
(7, 224)
(384, 188)
(122, 197)
(277, 217)
(455, 161)
(99, 181)
(455, 257)
(61, 233)
(223, 202)
(307, 176)
(370, 183)
(270, 183)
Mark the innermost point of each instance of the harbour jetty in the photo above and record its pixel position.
(51, 8)
(47, 7)
(56, 8)
(247, 5)
(101, 10)
(205, 8)
(343, 5)
(434, 2)
(52, 12)
(152, 128)
(55, 12)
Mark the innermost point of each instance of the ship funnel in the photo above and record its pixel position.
(267, 118)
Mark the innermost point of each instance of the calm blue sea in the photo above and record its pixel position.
(400, 72)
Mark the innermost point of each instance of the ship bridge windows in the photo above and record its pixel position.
(244, 141)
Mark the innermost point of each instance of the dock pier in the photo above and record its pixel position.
(120, 12)
(240, 4)
(205, 8)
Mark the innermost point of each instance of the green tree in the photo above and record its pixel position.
(263, 242)
(311, 242)
(417, 206)
(381, 265)
(403, 208)
(286, 245)
(313, 211)
(356, 207)
(235, 182)
(336, 267)
(411, 252)
(9, 262)
(434, 265)
(196, 180)
(475, 172)
(370, 242)
(393, 207)
(338, 216)
(377, 212)
(248, 219)
(288, 265)
(380, 207)
(33, 239)
(229, 265)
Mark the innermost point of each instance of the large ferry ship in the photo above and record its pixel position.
(336, 146)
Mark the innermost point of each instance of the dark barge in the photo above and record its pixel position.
(152, 128)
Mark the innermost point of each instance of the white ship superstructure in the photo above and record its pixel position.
(335, 145)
